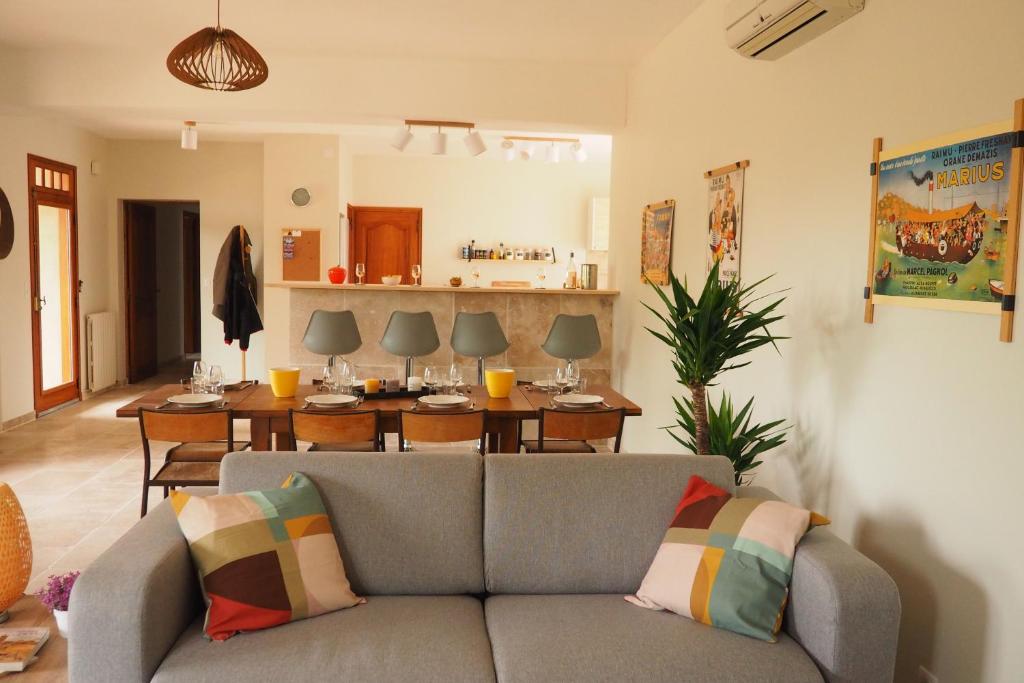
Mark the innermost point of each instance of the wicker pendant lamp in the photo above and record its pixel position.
(217, 59)
(15, 550)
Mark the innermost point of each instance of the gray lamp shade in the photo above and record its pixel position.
(410, 334)
(332, 333)
(478, 335)
(573, 337)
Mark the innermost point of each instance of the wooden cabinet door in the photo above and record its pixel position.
(140, 273)
(388, 240)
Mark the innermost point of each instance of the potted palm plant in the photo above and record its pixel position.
(708, 336)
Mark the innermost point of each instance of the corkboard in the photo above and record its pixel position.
(300, 254)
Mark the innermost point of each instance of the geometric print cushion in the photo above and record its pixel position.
(727, 561)
(264, 558)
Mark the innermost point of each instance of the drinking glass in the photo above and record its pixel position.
(199, 371)
(572, 375)
(476, 276)
(346, 376)
(455, 375)
(430, 377)
(215, 380)
(561, 378)
(360, 271)
(416, 272)
(328, 379)
(541, 276)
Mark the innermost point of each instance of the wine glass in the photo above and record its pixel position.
(327, 379)
(542, 275)
(416, 272)
(455, 375)
(215, 380)
(360, 271)
(476, 276)
(561, 378)
(199, 371)
(430, 376)
(572, 375)
(346, 376)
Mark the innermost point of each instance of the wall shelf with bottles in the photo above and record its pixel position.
(530, 255)
(524, 262)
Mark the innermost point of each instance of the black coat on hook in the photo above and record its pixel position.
(6, 226)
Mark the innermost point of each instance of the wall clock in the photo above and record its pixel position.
(300, 197)
(6, 226)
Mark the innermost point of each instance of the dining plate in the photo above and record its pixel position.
(443, 400)
(194, 399)
(332, 399)
(544, 383)
(578, 400)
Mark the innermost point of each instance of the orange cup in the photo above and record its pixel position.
(499, 382)
(371, 385)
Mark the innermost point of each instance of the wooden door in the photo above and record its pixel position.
(388, 240)
(53, 254)
(140, 290)
(190, 280)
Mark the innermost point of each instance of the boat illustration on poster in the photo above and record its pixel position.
(940, 231)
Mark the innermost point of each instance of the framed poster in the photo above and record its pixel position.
(944, 226)
(725, 220)
(656, 242)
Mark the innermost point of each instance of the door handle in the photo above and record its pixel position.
(39, 302)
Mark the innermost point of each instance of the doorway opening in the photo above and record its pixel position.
(162, 285)
(53, 254)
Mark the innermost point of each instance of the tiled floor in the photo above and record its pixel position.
(77, 473)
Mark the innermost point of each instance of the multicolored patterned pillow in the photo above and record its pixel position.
(264, 558)
(727, 561)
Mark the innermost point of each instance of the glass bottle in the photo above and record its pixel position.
(570, 272)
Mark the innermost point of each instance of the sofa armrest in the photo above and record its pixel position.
(844, 609)
(132, 603)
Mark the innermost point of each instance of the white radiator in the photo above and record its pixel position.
(101, 352)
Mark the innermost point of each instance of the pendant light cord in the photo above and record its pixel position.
(218, 15)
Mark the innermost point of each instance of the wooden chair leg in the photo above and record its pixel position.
(166, 489)
(145, 498)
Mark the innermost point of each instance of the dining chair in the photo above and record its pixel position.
(349, 431)
(332, 333)
(479, 336)
(573, 337)
(410, 335)
(209, 432)
(569, 431)
(442, 427)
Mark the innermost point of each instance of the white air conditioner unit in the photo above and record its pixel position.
(768, 29)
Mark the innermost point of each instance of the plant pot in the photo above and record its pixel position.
(337, 275)
(61, 616)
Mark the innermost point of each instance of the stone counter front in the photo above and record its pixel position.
(525, 315)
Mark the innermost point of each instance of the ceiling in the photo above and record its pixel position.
(611, 32)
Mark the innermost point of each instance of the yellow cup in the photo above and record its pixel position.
(284, 381)
(499, 382)
(371, 385)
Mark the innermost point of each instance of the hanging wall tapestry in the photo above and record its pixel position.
(656, 242)
(725, 219)
(944, 222)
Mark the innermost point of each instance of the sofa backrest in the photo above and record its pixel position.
(582, 523)
(406, 524)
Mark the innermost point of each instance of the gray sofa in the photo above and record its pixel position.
(508, 568)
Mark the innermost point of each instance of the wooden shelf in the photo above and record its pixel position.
(464, 289)
(533, 262)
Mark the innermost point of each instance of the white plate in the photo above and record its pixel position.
(544, 383)
(332, 399)
(443, 400)
(578, 400)
(194, 399)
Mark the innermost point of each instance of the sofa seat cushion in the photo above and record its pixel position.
(569, 638)
(400, 638)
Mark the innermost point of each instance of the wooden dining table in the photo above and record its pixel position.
(268, 414)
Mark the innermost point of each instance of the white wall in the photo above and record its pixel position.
(908, 444)
(20, 136)
(226, 179)
(529, 204)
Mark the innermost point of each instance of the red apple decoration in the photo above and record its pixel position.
(337, 275)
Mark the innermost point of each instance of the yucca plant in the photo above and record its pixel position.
(729, 433)
(708, 336)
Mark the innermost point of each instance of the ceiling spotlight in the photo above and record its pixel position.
(438, 142)
(189, 136)
(578, 153)
(526, 153)
(554, 154)
(508, 150)
(475, 143)
(403, 136)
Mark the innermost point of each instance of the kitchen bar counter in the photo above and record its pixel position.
(445, 288)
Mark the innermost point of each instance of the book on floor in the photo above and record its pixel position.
(18, 646)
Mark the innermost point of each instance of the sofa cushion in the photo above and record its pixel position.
(406, 524)
(566, 638)
(401, 638)
(556, 523)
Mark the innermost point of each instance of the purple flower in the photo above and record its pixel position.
(57, 591)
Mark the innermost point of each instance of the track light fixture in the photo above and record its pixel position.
(190, 136)
(439, 140)
(403, 136)
(475, 143)
(554, 151)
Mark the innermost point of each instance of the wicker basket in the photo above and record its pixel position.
(15, 549)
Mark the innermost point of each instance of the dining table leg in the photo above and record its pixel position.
(508, 435)
(259, 433)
